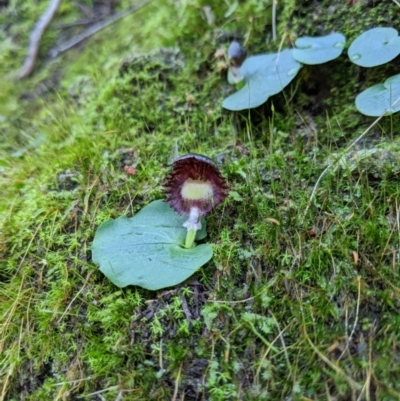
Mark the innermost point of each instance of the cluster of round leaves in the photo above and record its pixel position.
(372, 48)
(261, 76)
(151, 249)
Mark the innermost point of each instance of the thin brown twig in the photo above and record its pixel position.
(96, 28)
(78, 23)
(186, 311)
(36, 35)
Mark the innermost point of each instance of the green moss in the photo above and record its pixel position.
(292, 305)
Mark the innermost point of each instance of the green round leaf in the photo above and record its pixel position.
(377, 99)
(147, 249)
(318, 50)
(375, 47)
(264, 75)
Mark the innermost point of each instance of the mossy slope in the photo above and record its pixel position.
(293, 305)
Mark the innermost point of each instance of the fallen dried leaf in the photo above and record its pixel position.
(129, 170)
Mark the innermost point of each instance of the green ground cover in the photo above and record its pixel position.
(300, 300)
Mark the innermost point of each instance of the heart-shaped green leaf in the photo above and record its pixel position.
(377, 99)
(147, 249)
(318, 50)
(264, 75)
(375, 47)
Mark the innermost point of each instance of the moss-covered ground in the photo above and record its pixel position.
(301, 301)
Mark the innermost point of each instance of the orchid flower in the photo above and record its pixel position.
(194, 187)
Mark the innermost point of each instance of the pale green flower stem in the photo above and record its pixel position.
(190, 236)
(192, 224)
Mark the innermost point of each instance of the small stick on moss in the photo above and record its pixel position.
(95, 28)
(36, 36)
(342, 154)
(186, 311)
